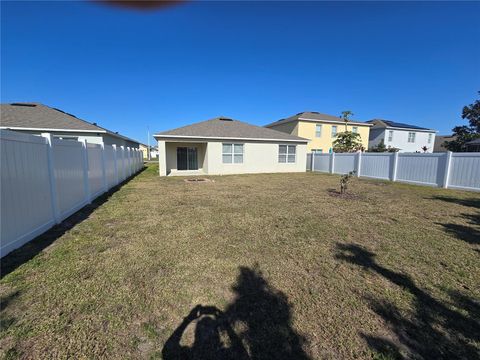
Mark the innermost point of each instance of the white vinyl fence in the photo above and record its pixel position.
(45, 180)
(448, 170)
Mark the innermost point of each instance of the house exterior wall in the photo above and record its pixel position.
(258, 157)
(113, 140)
(307, 130)
(91, 137)
(400, 140)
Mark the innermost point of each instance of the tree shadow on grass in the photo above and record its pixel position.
(261, 316)
(31, 249)
(433, 329)
(469, 233)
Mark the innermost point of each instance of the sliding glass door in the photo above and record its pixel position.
(187, 158)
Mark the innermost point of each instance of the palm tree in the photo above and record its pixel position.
(346, 117)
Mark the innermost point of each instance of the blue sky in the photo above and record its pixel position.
(253, 61)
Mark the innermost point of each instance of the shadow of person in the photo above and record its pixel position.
(261, 316)
(265, 314)
(214, 337)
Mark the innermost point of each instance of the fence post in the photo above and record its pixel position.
(448, 162)
(395, 165)
(86, 184)
(52, 179)
(312, 166)
(359, 163)
(104, 168)
(332, 162)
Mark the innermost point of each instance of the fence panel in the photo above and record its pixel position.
(455, 170)
(121, 163)
(322, 162)
(421, 168)
(95, 169)
(68, 168)
(110, 166)
(465, 171)
(377, 165)
(44, 180)
(344, 163)
(26, 207)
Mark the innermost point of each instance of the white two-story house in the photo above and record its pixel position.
(407, 138)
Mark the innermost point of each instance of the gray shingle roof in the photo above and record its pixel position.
(39, 116)
(313, 115)
(222, 127)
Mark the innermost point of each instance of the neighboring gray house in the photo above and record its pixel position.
(36, 118)
(473, 146)
(407, 138)
(225, 146)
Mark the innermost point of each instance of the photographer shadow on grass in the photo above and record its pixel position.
(256, 325)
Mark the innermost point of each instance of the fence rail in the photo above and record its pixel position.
(45, 180)
(448, 170)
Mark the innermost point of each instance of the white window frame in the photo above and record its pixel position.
(233, 153)
(430, 136)
(318, 130)
(390, 135)
(355, 129)
(411, 137)
(334, 134)
(287, 154)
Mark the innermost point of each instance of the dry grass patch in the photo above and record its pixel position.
(281, 269)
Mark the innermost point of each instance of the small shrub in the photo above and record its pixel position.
(344, 181)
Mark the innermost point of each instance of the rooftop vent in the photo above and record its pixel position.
(23, 104)
(94, 124)
(224, 119)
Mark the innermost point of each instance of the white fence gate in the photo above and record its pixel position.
(448, 170)
(45, 180)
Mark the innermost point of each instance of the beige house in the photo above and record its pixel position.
(320, 129)
(225, 146)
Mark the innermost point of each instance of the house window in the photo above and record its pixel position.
(287, 153)
(355, 129)
(429, 138)
(390, 135)
(317, 151)
(318, 130)
(334, 130)
(411, 137)
(232, 153)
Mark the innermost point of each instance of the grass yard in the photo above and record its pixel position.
(281, 267)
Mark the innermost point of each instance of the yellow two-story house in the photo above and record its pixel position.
(320, 129)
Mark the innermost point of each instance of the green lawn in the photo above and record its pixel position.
(281, 265)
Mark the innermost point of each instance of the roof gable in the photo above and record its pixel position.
(222, 127)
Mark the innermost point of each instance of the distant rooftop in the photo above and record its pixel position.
(223, 127)
(389, 123)
(315, 116)
(38, 116)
